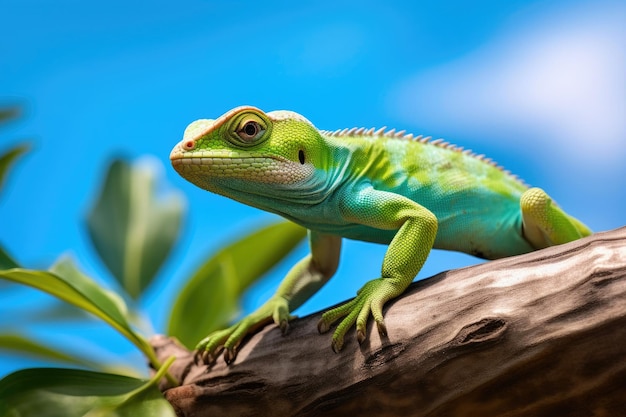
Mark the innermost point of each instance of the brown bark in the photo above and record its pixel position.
(543, 334)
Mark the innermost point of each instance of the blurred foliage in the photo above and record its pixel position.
(7, 158)
(67, 283)
(50, 392)
(9, 113)
(6, 261)
(26, 346)
(212, 294)
(133, 230)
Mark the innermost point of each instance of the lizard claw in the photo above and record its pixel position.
(206, 356)
(229, 339)
(201, 358)
(336, 345)
(382, 328)
(369, 300)
(323, 326)
(361, 336)
(284, 327)
(229, 355)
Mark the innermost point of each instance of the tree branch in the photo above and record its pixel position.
(542, 334)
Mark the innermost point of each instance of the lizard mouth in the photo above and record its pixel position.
(180, 156)
(259, 168)
(226, 158)
(233, 162)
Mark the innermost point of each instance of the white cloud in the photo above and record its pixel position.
(560, 75)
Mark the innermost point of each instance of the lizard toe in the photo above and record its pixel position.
(369, 301)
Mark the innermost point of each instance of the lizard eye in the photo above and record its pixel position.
(250, 131)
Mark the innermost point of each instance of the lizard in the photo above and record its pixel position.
(409, 192)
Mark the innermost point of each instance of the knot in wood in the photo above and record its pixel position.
(488, 329)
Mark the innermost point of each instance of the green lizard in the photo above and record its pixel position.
(379, 186)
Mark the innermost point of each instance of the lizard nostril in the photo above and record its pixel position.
(190, 145)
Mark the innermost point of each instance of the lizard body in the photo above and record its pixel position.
(372, 185)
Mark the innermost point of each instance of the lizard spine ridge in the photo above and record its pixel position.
(384, 132)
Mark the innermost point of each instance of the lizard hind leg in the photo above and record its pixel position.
(545, 223)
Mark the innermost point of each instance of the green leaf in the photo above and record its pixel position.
(67, 283)
(8, 158)
(50, 392)
(210, 298)
(131, 229)
(25, 346)
(9, 113)
(52, 311)
(29, 347)
(6, 261)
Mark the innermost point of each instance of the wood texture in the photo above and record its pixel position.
(543, 334)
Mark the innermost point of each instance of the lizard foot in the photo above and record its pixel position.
(369, 299)
(228, 340)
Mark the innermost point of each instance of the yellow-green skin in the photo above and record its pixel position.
(386, 187)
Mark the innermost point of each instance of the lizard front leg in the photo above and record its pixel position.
(302, 281)
(416, 230)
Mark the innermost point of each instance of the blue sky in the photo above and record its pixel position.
(539, 86)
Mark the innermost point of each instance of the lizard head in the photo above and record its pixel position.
(247, 152)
